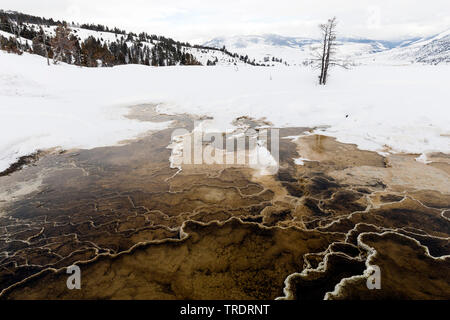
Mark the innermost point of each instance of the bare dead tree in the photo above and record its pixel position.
(324, 29)
(40, 46)
(329, 43)
(324, 56)
(44, 40)
(16, 29)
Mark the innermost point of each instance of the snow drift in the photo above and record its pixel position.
(380, 108)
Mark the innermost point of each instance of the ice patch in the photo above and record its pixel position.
(423, 159)
(300, 161)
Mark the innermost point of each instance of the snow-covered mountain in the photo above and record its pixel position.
(201, 54)
(293, 50)
(18, 29)
(292, 42)
(272, 49)
(431, 50)
(268, 49)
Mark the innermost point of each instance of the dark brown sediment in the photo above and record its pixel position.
(235, 260)
(139, 228)
(407, 271)
(313, 284)
(20, 163)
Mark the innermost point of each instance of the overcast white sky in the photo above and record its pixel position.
(201, 20)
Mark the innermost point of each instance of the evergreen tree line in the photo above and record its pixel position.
(242, 58)
(65, 46)
(26, 18)
(92, 52)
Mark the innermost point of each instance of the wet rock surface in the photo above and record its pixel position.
(140, 228)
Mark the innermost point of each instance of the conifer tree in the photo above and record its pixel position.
(62, 44)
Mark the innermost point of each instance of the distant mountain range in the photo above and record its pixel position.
(294, 50)
(293, 42)
(432, 50)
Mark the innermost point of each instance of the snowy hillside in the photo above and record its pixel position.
(296, 50)
(111, 46)
(293, 50)
(202, 55)
(430, 50)
(380, 108)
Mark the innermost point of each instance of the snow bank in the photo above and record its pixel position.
(379, 108)
(61, 106)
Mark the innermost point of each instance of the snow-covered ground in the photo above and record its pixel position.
(398, 108)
